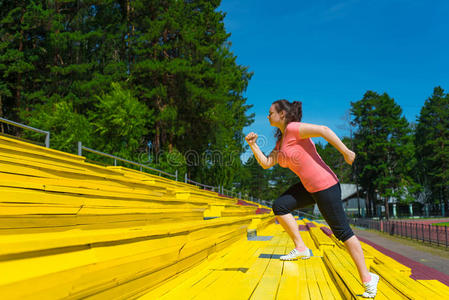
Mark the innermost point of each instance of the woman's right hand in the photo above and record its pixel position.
(251, 138)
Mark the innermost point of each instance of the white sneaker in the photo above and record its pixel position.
(294, 254)
(371, 286)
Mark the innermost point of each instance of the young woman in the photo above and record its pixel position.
(318, 184)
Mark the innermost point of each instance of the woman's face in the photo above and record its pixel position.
(276, 118)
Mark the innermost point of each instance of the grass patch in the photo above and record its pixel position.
(441, 224)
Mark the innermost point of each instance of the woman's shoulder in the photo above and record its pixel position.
(293, 125)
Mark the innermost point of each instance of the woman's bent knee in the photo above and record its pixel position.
(279, 207)
(344, 235)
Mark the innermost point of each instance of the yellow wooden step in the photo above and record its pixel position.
(320, 238)
(22, 243)
(409, 287)
(345, 274)
(101, 267)
(24, 146)
(381, 258)
(436, 286)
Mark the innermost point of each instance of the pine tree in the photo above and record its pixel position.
(432, 145)
(383, 143)
(336, 161)
(22, 54)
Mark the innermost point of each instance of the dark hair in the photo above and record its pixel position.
(293, 113)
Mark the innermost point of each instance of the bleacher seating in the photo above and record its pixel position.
(75, 230)
(72, 229)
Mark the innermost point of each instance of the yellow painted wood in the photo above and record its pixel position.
(331, 282)
(15, 153)
(312, 284)
(71, 229)
(106, 263)
(215, 283)
(24, 146)
(320, 238)
(316, 275)
(70, 183)
(348, 282)
(404, 284)
(293, 283)
(385, 291)
(268, 284)
(181, 283)
(246, 284)
(305, 235)
(436, 286)
(380, 258)
(221, 229)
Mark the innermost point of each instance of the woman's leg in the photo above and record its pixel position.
(331, 207)
(295, 197)
(289, 224)
(354, 248)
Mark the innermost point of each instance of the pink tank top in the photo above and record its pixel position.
(300, 156)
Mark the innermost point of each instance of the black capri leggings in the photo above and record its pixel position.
(328, 201)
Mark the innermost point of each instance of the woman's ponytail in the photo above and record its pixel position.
(296, 111)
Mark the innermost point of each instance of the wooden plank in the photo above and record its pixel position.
(331, 283)
(220, 229)
(316, 274)
(293, 283)
(381, 258)
(344, 274)
(26, 196)
(269, 283)
(195, 282)
(25, 146)
(440, 288)
(312, 284)
(214, 283)
(107, 266)
(403, 284)
(244, 284)
(383, 290)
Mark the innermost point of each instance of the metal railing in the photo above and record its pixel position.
(204, 186)
(116, 158)
(229, 193)
(426, 233)
(218, 189)
(47, 133)
(308, 216)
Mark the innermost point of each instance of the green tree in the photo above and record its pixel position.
(432, 145)
(336, 161)
(22, 54)
(182, 67)
(383, 143)
(120, 122)
(173, 57)
(65, 125)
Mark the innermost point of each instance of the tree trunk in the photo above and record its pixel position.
(19, 76)
(368, 205)
(1, 115)
(157, 144)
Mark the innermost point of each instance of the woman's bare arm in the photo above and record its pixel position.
(311, 130)
(264, 162)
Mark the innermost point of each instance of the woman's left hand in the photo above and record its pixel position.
(349, 157)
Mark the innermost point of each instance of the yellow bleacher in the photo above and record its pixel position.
(74, 230)
(71, 229)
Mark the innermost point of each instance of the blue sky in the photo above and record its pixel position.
(329, 53)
